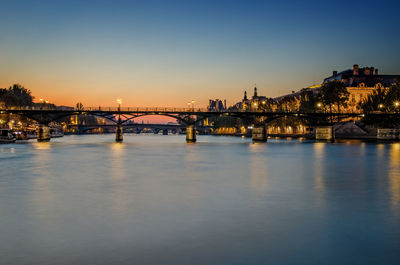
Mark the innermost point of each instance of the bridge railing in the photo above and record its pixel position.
(144, 109)
(159, 109)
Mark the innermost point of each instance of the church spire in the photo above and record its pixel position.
(255, 91)
(245, 95)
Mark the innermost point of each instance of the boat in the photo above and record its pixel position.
(56, 132)
(6, 136)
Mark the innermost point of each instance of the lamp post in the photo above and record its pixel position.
(193, 105)
(319, 106)
(119, 101)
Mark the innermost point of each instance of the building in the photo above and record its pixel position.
(361, 82)
(253, 103)
(216, 105)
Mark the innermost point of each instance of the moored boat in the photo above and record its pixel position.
(6, 136)
(56, 132)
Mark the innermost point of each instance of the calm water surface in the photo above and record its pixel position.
(157, 200)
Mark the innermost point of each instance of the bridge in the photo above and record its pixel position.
(141, 127)
(189, 117)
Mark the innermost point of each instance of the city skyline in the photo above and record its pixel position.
(166, 54)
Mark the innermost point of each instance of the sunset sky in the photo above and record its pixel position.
(166, 53)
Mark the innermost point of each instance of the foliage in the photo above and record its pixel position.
(382, 101)
(287, 104)
(334, 93)
(267, 105)
(79, 106)
(309, 101)
(224, 121)
(16, 95)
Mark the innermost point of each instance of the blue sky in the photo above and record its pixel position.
(164, 53)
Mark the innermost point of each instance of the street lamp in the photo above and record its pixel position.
(119, 101)
(188, 105)
(396, 103)
(193, 104)
(380, 106)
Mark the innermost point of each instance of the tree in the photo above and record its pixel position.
(79, 106)
(266, 105)
(334, 92)
(376, 101)
(309, 100)
(382, 100)
(287, 104)
(16, 95)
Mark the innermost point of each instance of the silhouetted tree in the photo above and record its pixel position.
(16, 95)
(266, 105)
(79, 106)
(382, 100)
(309, 100)
(334, 92)
(287, 104)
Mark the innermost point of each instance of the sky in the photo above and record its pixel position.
(166, 53)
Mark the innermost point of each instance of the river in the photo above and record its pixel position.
(154, 199)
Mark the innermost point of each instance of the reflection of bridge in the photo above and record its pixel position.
(141, 127)
(190, 117)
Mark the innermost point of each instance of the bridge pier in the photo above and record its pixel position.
(259, 134)
(165, 132)
(191, 133)
(325, 133)
(119, 133)
(43, 133)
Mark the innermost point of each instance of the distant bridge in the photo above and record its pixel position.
(190, 117)
(140, 127)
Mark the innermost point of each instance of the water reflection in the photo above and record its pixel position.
(43, 196)
(394, 176)
(258, 167)
(118, 194)
(42, 145)
(319, 159)
(155, 200)
(118, 159)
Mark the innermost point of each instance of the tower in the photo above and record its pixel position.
(245, 96)
(255, 92)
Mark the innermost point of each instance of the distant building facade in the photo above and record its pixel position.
(361, 82)
(216, 105)
(252, 103)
